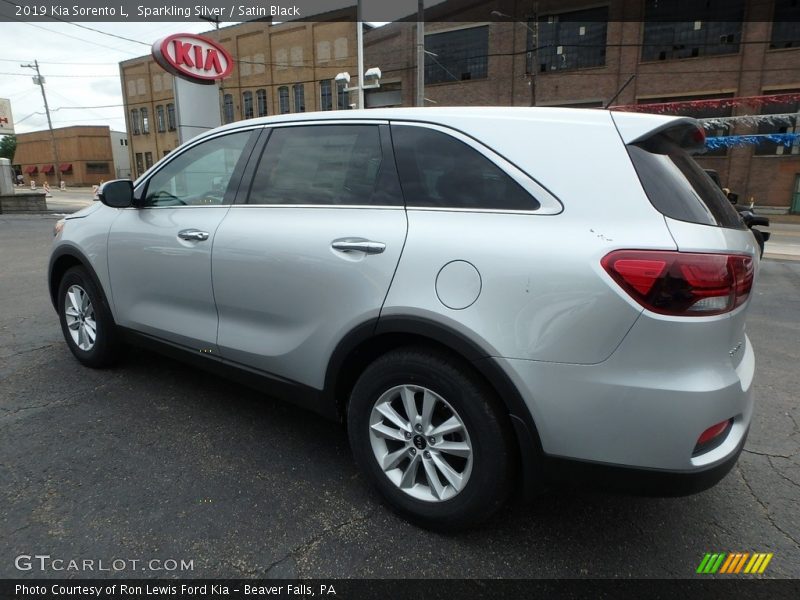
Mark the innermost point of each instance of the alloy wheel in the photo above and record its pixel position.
(421, 443)
(80, 318)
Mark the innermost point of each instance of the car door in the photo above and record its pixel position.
(159, 253)
(310, 253)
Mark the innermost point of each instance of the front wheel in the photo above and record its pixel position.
(86, 321)
(432, 438)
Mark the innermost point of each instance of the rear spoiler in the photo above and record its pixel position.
(688, 133)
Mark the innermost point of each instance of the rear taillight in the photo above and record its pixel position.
(682, 283)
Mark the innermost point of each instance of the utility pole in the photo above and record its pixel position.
(39, 80)
(420, 53)
(360, 44)
(534, 44)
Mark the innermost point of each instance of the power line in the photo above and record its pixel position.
(66, 76)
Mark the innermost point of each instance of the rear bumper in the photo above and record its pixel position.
(640, 482)
(636, 414)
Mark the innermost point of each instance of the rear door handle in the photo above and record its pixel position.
(358, 245)
(193, 235)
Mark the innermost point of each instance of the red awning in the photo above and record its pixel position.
(64, 167)
(31, 169)
(47, 168)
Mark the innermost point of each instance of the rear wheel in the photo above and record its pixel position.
(86, 321)
(431, 437)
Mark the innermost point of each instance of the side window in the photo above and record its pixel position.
(325, 164)
(198, 176)
(437, 170)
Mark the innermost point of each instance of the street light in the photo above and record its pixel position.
(372, 75)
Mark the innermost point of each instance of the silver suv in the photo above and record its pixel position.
(489, 298)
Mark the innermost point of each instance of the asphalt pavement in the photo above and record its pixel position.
(156, 460)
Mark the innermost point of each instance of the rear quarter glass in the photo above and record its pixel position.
(678, 187)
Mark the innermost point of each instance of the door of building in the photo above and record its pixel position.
(796, 195)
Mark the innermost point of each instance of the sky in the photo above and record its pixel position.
(80, 67)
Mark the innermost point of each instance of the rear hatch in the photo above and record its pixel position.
(699, 217)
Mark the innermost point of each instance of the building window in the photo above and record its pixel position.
(261, 99)
(139, 164)
(228, 108)
(247, 101)
(325, 96)
(342, 96)
(171, 117)
(135, 130)
(97, 168)
(718, 30)
(145, 121)
(699, 113)
(148, 160)
(340, 48)
(299, 97)
(283, 99)
(786, 25)
(457, 55)
(161, 123)
(323, 51)
(789, 124)
(574, 40)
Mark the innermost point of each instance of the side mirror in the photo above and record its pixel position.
(117, 193)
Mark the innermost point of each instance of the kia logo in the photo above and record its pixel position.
(193, 57)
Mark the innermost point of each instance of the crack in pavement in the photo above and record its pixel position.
(764, 507)
(28, 351)
(768, 455)
(303, 550)
(781, 475)
(300, 551)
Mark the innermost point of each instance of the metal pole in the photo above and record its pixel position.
(420, 53)
(220, 82)
(40, 83)
(360, 44)
(534, 52)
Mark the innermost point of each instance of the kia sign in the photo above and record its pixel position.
(6, 120)
(193, 57)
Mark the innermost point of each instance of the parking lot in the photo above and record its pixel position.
(155, 460)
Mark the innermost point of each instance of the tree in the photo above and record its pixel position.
(8, 145)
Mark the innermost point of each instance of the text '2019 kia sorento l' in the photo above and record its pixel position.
(482, 300)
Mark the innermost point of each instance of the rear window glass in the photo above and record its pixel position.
(678, 187)
(437, 170)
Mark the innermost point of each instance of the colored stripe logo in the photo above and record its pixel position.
(734, 563)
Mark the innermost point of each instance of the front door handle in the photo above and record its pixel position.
(358, 245)
(193, 235)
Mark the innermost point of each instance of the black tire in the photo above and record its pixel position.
(493, 455)
(759, 240)
(106, 346)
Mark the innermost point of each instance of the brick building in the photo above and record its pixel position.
(587, 50)
(85, 155)
(575, 53)
(281, 68)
